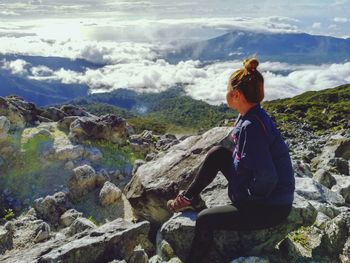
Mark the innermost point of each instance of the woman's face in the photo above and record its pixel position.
(232, 97)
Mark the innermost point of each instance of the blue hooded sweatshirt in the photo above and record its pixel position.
(262, 168)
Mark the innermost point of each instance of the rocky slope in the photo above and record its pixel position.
(73, 190)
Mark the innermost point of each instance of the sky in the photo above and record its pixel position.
(128, 36)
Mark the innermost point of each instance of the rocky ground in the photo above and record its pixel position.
(73, 190)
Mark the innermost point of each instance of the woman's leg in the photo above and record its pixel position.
(249, 217)
(218, 159)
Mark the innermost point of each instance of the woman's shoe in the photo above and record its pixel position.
(182, 203)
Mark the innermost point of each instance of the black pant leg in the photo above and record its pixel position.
(218, 159)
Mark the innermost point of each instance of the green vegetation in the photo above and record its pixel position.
(114, 155)
(92, 220)
(9, 214)
(300, 236)
(321, 110)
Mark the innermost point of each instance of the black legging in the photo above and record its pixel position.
(249, 216)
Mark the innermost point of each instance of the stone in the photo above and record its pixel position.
(51, 208)
(68, 217)
(179, 230)
(157, 181)
(109, 127)
(312, 190)
(342, 187)
(42, 233)
(83, 181)
(6, 240)
(53, 114)
(325, 178)
(156, 259)
(11, 111)
(71, 110)
(79, 225)
(115, 240)
(138, 256)
(166, 250)
(109, 194)
(4, 127)
(339, 165)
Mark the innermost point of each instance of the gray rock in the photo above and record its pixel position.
(156, 259)
(312, 190)
(138, 256)
(79, 225)
(345, 256)
(113, 240)
(69, 217)
(155, 182)
(108, 127)
(4, 127)
(53, 114)
(6, 240)
(42, 233)
(51, 208)
(179, 231)
(325, 178)
(72, 110)
(342, 187)
(83, 181)
(93, 153)
(339, 165)
(109, 194)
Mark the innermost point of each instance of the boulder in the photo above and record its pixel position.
(72, 110)
(312, 190)
(51, 208)
(79, 225)
(68, 217)
(166, 141)
(53, 114)
(179, 231)
(157, 181)
(138, 256)
(42, 232)
(13, 113)
(108, 127)
(6, 240)
(4, 127)
(114, 240)
(109, 194)
(339, 165)
(325, 178)
(83, 181)
(342, 187)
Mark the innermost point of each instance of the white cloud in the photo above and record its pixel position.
(207, 83)
(341, 19)
(8, 13)
(316, 25)
(16, 67)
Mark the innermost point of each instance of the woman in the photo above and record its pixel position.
(259, 170)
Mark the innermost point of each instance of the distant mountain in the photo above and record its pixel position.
(43, 92)
(283, 47)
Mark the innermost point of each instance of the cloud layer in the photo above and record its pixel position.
(207, 83)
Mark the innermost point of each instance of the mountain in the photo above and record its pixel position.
(284, 47)
(43, 92)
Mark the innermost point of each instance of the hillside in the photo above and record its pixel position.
(173, 111)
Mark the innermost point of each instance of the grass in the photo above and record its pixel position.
(300, 236)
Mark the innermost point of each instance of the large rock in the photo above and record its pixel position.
(83, 181)
(108, 127)
(342, 187)
(79, 225)
(51, 208)
(179, 231)
(12, 113)
(159, 180)
(312, 190)
(109, 194)
(69, 217)
(4, 127)
(113, 240)
(6, 240)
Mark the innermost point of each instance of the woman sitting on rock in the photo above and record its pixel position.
(259, 170)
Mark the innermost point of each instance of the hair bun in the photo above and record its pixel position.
(250, 64)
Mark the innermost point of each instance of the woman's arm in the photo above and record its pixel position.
(256, 161)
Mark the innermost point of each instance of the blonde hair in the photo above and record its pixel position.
(249, 81)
